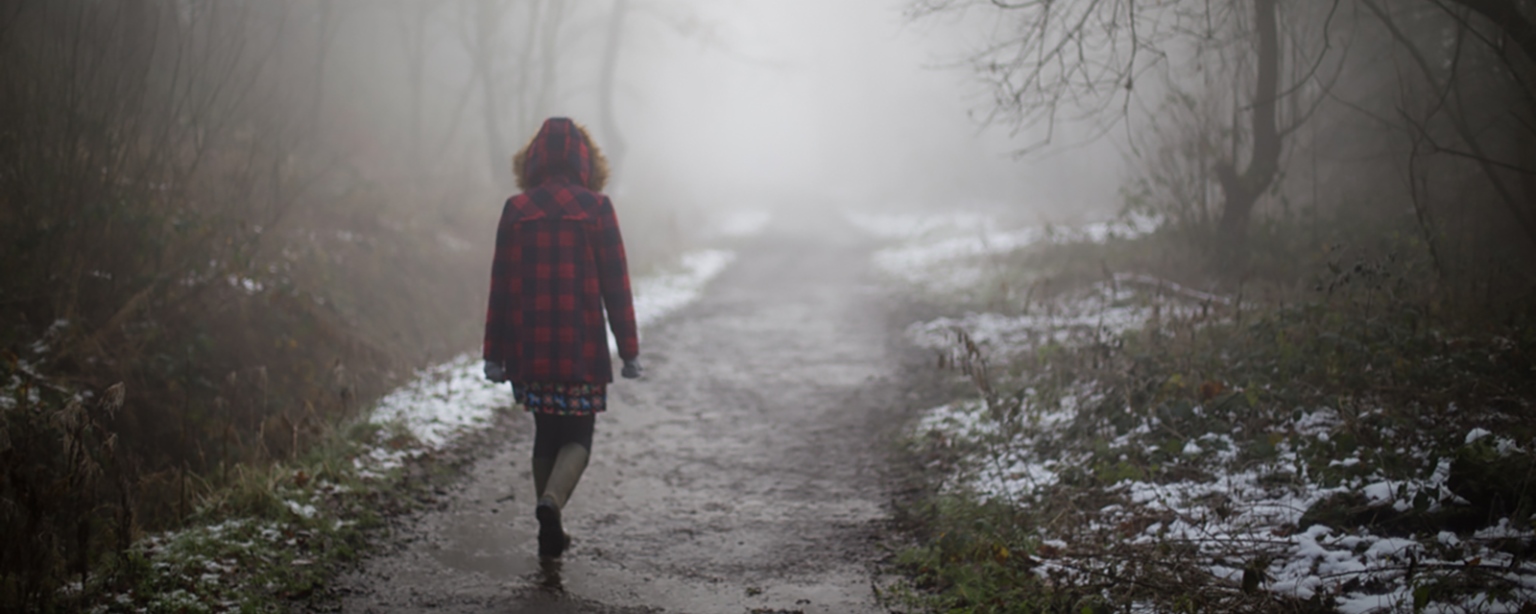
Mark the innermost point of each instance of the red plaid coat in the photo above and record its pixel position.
(559, 262)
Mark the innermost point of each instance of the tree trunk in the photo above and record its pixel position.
(549, 57)
(323, 38)
(1516, 206)
(1241, 190)
(614, 146)
(486, 25)
(413, 30)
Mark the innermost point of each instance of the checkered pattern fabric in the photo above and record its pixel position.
(559, 263)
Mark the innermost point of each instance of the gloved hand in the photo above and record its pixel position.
(631, 368)
(495, 372)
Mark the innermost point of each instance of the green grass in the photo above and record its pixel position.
(974, 557)
(269, 535)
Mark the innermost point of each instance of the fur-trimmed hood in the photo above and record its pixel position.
(561, 149)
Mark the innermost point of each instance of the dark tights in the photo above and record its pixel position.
(552, 432)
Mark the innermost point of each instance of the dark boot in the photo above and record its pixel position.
(569, 464)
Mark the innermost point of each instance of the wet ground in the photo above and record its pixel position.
(746, 472)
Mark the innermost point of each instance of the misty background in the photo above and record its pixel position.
(709, 105)
(256, 217)
(847, 103)
(260, 216)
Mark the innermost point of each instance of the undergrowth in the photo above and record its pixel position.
(1350, 446)
(976, 557)
(257, 539)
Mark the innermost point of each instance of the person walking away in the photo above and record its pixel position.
(559, 264)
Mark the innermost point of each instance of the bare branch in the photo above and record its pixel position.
(1458, 120)
(1507, 16)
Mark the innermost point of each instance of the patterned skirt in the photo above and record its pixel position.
(561, 398)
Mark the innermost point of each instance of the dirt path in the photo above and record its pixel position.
(742, 474)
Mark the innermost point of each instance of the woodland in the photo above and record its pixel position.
(1337, 298)
(216, 249)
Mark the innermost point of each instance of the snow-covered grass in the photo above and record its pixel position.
(1220, 506)
(454, 397)
(663, 292)
(1137, 444)
(1081, 315)
(442, 402)
(1122, 445)
(951, 252)
(271, 534)
(26, 383)
(276, 532)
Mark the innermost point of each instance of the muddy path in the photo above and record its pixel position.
(746, 472)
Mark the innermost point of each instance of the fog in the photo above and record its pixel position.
(803, 100)
(245, 247)
(762, 103)
(846, 102)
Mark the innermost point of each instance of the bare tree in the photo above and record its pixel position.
(483, 21)
(515, 76)
(1463, 82)
(1090, 61)
(1242, 188)
(1509, 16)
(615, 146)
(414, 23)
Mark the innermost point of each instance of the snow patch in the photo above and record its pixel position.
(948, 252)
(443, 401)
(740, 224)
(1091, 313)
(452, 398)
(667, 291)
(1230, 508)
